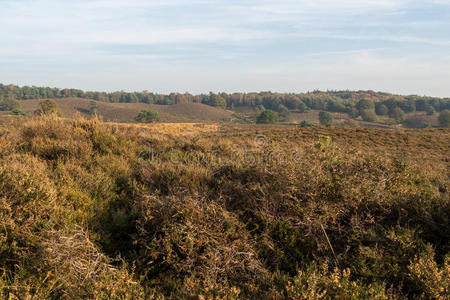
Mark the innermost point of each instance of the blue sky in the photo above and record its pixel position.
(398, 46)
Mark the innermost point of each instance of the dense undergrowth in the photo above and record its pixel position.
(91, 210)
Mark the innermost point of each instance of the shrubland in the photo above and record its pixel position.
(96, 210)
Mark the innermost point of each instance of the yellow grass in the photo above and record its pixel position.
(176, 129)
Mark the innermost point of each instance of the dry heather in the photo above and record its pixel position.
(105, 211)
(127, 112)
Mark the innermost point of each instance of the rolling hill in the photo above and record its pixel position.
(126, 112)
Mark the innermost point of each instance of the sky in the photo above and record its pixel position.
(197, 46)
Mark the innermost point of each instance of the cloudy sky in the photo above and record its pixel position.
(400, 46)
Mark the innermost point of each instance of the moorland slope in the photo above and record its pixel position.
(127, 112)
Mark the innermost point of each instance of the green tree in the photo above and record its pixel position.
(369, 115)
(93, 107)
(47, 107)
(381, 110)
(430, 110)
(220, 102)
(267, 117)
(284, 113)
(148, 116)
(353, 112)
(444, 118)
(364, 104)
(325, 118)
(302, 108)
(398, 115)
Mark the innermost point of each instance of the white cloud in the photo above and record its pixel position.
(237, 44)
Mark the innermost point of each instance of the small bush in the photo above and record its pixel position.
(267, 117)
(47, 107)
(325, 118)
(18, 112)
(148, 116)
(8, 104)
(306, 123)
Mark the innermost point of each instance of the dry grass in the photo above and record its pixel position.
(175, 129)
(111, 211)
(126, 112)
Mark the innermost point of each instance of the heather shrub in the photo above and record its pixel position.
(194, 241)
(96, 210)
(320, 283)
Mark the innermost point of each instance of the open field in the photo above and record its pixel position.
(219, 211)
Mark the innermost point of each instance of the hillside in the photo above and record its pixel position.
(349, 108)
(93, 210)
(126, 112)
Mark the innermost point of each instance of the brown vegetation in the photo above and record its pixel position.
(97, 210)
(127, 112)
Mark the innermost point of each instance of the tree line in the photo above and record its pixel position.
(354, 103)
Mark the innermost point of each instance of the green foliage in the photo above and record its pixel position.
(218, 101)
(430, 110)
(306, 123)
(353, 112)
(284, 113)
(302, 108)
(325, 118)
(18, 112)
(8, 104)
(351, 102)
(365, 104)
(93, 107)
(148, 116)
(368, 115)
(267, 117)
(444, 118)
(398, 115)
(47, 107)
(381, 110)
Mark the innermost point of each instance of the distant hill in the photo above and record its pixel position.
(126, 112)
(349, 108)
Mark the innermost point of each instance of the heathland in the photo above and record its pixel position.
(90, 209)
(347, 108)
